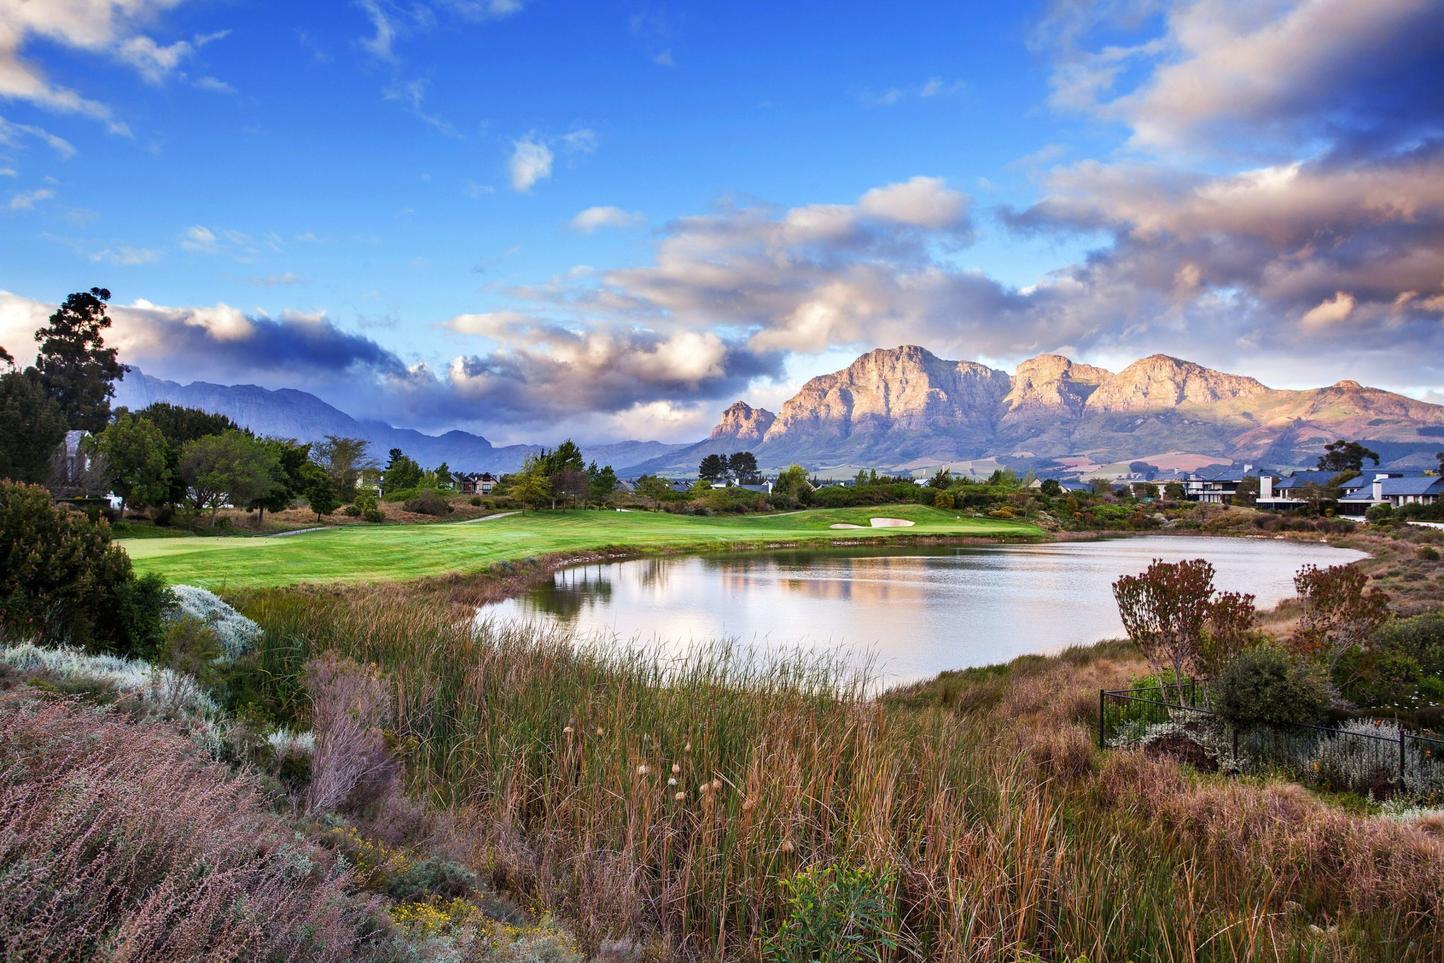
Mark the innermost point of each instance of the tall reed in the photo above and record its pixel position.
(636, 795)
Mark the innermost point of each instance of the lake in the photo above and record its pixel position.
(914, 611)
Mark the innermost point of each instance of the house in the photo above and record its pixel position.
(1394, 490)
(476, 483)
(1217, 484)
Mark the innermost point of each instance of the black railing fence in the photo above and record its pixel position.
(1370, 756)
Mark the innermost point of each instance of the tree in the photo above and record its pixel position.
(602, 482)
(1166, 609)
(566, 455)
(136, 464)
(1246, 495)
(319, 490)
(1051, 488)
(942, 478)
(343, 459)
(442, 475)
(230, 467)
(743, 466)
(571, 484)
(1340, 611)
(74, 365)
(179, 425)
(32, 426)
(531, 486)
(1344, 455)
(401, 473)
(713, 468)
(62, 580)
(1440, 456)
(790, 489)
(653, 489)
(1175, 491)
(292, 457)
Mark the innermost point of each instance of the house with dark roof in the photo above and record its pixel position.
(476, 483)
(1395, 491)
(1218, 484)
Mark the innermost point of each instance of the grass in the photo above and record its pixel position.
(1006, 833)
(403, 552)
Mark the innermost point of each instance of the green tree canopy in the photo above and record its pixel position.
(1344, 455)
(74, 365)
(230, 467)
(136, 462)
(531, 486)
(791, 487)
(401, 472)
(743, 466)
(319, 490)
(32, 426)
(292, 457)
(603, 482)
(343, 459)
(713, 468)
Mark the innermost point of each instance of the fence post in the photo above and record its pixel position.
(1234, 726)
(1402, 737)
(1102, 740)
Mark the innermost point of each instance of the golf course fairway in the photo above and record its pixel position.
(391, 553)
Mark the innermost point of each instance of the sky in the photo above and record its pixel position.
(534, 219)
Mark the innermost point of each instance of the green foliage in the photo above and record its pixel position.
(400, 473)
(732, 500)
(531, 486)
(288, 473)
(944, 499)
(191, 647)
(61, 579)
(837, 915)
(942, 478)
(1051, 488)
(602, 482)
(1400, 669)
(136, 462)
(791, 488)
(74, 366)
(373, 515)
(1268, 684)
(742, 465)
(319, 490)
(230, 467)
(1341, 456)
(712, 468)
(343, 459)
(32, 426)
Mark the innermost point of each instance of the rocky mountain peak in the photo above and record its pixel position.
(1051, 382)
(744, 423)
(1160, 382)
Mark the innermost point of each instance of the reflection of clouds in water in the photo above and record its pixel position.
(920, 610)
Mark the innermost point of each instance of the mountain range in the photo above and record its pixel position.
(905, 408)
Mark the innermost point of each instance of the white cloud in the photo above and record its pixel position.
(199, 238)
(14, 135)
(664, 59)
(595, 218)
(125, 255)
(152, 61)
(379, 44)
(1329, 311)
(25, 200)
(920, 202)
(531, 161)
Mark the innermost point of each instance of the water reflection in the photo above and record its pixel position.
(919, 610)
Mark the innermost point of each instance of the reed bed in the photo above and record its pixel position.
(669, 800)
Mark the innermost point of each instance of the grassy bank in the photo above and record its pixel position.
(402, 552)
(973, 818)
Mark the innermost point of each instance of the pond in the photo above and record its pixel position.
(911, 611)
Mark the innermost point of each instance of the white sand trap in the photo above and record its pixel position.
(845, 525)
(890, 523)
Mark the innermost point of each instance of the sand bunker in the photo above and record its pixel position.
(878, 523)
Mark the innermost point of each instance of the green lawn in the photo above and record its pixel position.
(398, 552)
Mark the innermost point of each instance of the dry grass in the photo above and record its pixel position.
(1008, 833)
(118, 841)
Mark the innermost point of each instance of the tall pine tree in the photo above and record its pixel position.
(75, 367)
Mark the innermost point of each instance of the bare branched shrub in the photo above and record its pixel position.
(121, 841)
(350, 705)
(1340, 611)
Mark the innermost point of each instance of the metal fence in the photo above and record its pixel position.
(1376, 757)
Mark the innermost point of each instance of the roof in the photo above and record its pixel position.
(1396, 487)
(1301, 478)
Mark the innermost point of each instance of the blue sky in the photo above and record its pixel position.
(531, 218)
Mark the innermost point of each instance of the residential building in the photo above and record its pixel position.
(1393, 490)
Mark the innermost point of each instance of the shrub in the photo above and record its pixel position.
(428, 503)
(350, 763)
(374, 515)
(128, 677)
(63, 581)
(836, 915)
(351, 511)
(1428, 553)
(120, 842)
(1269, 685)
(1357, 760)
(236, 633)
(474, 501)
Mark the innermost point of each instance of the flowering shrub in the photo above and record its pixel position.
(1354, 762)
(237, 634)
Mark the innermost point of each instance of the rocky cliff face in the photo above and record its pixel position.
(901, 406)
(743, 424)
